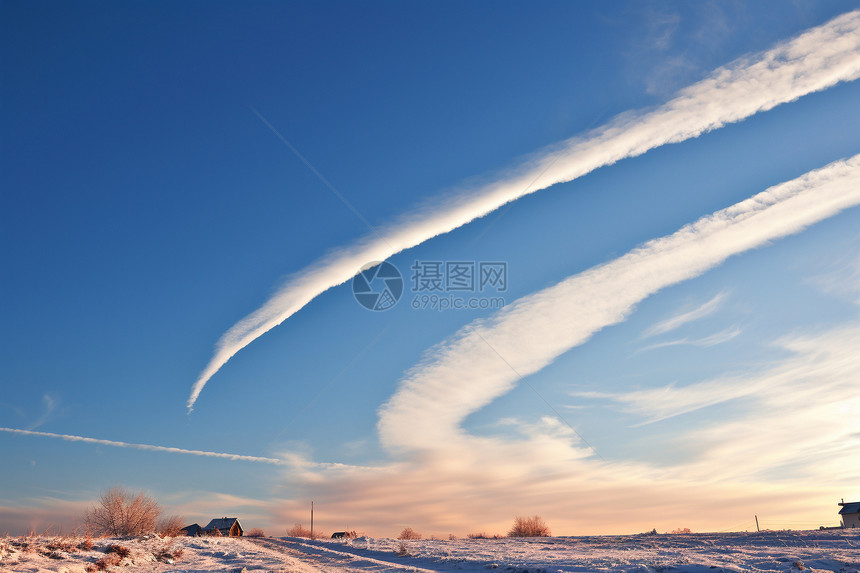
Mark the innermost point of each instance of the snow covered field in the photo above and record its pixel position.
(793, 551)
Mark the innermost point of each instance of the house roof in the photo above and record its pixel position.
(223, 523)
(853, 507)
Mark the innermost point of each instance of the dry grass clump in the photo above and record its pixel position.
(57, 547)
(529, 527)
(402, 550)
(256, 532)
(167, 553)
(409, 533)
(17, 550)
(483, 535)
(120, 550)
(67, 544)
(109, 560)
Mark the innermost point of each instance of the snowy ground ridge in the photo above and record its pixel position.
(784, 551)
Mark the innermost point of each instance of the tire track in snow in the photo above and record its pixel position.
(326, 560)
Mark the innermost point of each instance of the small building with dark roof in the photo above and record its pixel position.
(226, 526)
(850, 513)
(192, 530)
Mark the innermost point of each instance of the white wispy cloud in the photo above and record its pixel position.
(828, 359)
(705, 342)
(842, 279)
(815, 60)
(148, 447)
(680, 319)
(793, 419)
(485, 359)
(799, 415)
(50, 404)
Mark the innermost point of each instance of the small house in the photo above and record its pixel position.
(226, 526)
(850, 513)
(344, 535)
(193, 530)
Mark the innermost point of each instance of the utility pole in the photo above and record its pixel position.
(312, 520)
(756, 524)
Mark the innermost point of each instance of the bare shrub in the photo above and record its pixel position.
(529, 527)
(409, 533)
(452, 537)
(169, 526)
(681, 531)
(122, 513)
(298, 530)
(402, 550)
(86, 544)
(256, 532)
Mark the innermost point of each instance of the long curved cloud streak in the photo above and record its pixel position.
(72, 438)
(815, 60)
(485, 359)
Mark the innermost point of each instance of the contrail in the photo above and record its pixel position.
(815, 60)
(465, 373)
(71, 438)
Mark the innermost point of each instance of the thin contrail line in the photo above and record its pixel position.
(336, 378)
(72, 438)
(319, 175)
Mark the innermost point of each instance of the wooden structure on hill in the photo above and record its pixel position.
(223, 526)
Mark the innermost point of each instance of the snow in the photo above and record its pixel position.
(789, 551)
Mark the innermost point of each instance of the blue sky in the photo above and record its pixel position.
(149, 204)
